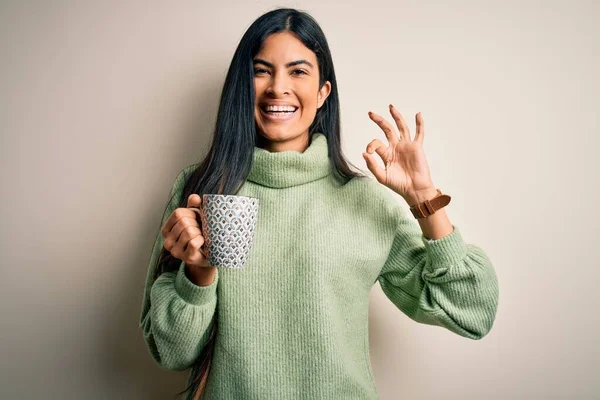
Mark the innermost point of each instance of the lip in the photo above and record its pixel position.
(278, 118)
(274, 103)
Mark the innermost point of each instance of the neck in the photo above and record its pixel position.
(299, 144)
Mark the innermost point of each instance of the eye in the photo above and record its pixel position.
(296, 71)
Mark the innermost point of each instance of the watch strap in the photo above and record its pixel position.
(428, 207)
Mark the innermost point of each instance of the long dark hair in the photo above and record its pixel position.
(229, 159)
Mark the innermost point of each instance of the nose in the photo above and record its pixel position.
(278, 84)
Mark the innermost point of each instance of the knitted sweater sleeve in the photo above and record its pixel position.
(176, 314)
(444, 282)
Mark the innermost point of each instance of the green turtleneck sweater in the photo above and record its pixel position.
(294, 323)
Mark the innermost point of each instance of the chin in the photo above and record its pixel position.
(276, 134)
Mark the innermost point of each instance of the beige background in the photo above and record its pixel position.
(103, 102)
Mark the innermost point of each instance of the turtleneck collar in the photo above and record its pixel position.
(291, 168)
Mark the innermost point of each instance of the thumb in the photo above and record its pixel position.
(194, 200)
(374, 167)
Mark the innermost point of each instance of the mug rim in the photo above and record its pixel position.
(225, 195)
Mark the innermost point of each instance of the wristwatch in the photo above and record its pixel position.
(428, 207)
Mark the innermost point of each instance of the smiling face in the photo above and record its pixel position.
(286, 74)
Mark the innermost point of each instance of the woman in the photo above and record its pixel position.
(294, 323)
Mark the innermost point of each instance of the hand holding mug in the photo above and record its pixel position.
(183, 236)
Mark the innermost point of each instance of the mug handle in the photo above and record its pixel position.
(197, 211)
(199, 219)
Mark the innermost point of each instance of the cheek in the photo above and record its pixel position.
(309, 107)
(258, 89)
(309, 101)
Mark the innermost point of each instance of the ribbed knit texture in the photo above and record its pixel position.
(294, 323)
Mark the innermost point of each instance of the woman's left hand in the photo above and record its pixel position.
(406, 171)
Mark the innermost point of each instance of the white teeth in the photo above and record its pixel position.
(279, 108)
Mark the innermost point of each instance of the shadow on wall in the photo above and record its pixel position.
(127, 364)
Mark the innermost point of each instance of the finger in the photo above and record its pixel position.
(203, 250)
(192, 251)
(196, 243)
(174, 235)
(179, 213)
(194, 203)
(197, 214)
(374, 167)
(400, 123)
(420, 127)
(180, 240)
(380, 148)
(194, 200)
(185, 229)
(387, 128)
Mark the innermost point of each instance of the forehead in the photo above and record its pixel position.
(283, 47)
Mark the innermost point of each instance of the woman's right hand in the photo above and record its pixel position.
(183, 236)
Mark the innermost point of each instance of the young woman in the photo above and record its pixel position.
(294, 323)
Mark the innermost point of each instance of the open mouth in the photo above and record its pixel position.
(278, 115)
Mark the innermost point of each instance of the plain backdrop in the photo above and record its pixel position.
(104, 102)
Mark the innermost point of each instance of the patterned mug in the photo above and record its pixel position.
(228, 224)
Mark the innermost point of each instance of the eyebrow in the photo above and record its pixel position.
(290, 64)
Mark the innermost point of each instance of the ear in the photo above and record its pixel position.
(323, 93)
